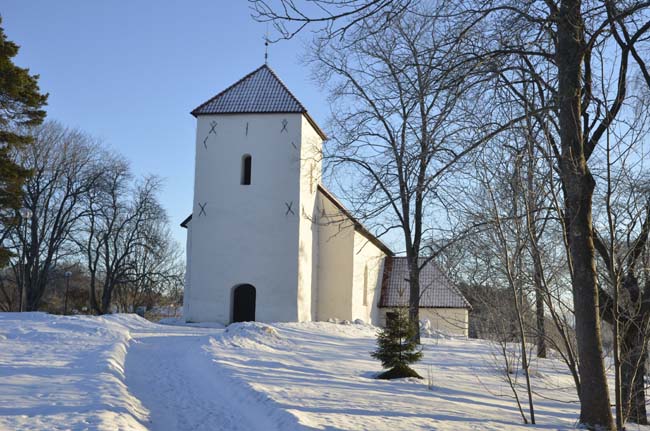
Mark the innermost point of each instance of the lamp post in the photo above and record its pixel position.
(67, 275)
(25, 214)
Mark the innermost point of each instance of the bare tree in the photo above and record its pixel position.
(118, 216)
(103, 203)
(155, 268)
(496, 201)
(63, 164)
(622, 226)
(556, 41)
(396, 129)
(86, 206)
(567, 65)
(334, 17)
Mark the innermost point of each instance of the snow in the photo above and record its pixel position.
(179, 321)
(325, 381)
(253, 336)
(66, 373)
(173, 375)
(122, 372)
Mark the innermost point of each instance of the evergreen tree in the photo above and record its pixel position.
(21, 106)
(396, 346)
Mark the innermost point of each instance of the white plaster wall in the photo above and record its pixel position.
(335, 265)
(187, 289)
(366, 257)
(247, 235)
(452, 321)
(308, 253)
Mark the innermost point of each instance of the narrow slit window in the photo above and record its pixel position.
(246, 165)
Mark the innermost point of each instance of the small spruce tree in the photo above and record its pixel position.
(396, 346)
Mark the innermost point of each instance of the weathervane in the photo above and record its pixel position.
(266, 45)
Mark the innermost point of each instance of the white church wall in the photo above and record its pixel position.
(451, 321)
(366, 279)
(246, 233)
(308, 253)
(187, 290)
(335, 266)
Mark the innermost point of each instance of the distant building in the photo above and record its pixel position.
(266, 241)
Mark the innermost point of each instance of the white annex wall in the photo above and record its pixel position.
(245, 233)
(451, 321)
(350, 268)
(308, 254)
(366, 279)
(335, 264)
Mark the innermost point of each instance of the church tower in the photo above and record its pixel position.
(251, 248)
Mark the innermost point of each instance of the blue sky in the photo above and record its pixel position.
(129, 73)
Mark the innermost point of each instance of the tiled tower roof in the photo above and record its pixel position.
(261, 91)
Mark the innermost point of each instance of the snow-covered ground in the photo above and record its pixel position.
(322, 375)
(66, 373)
(123, 373)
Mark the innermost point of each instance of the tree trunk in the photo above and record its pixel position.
(538, 269)
(539, 310)
(107, 294)
(594, 394)
(35, 290)
(633, 324)
(32, 301)
(634, 356)
(595, 409)
(539, 301)
(414, 295)
(94, 306)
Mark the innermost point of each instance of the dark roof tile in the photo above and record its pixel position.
(261, 91)
(436, 289)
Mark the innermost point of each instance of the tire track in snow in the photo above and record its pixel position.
(176, 380)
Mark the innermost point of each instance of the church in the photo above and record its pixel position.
(266, 241)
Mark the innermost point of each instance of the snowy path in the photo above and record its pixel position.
(123, 373)
(172, 375)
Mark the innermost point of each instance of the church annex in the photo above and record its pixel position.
(267, 241)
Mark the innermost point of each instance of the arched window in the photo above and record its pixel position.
(246, 162)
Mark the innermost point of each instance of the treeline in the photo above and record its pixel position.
(78, 230)
(85, 219)
(508, 138)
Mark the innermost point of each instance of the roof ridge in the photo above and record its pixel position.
(275, 75)
(450, 282)
(228, 88)
(357, 224)
(437, 290)
(197, 111)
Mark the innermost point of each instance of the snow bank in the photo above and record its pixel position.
(351, 330)
(323, 379)
(66, 372)
(179, 321)
(254, 335)
(427, 331)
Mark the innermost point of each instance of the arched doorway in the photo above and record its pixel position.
(243, 303)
